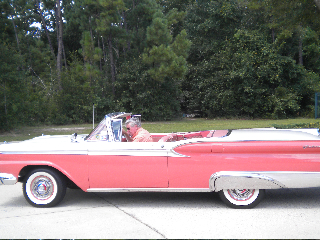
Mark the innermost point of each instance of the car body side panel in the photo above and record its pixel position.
(195, 170)
(75, 167)
(110, 171)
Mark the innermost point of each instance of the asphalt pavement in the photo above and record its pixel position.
(285, 213)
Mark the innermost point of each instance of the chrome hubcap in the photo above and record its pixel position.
(241, 194)
(42, 188)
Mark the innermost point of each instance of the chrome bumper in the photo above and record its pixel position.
(7, 179)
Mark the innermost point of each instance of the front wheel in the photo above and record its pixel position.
(242, 198)
(44, 188)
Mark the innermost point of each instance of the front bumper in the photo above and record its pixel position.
(7, 179)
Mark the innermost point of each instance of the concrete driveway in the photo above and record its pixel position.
(284, 213)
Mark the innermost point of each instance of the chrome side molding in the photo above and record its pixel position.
(148, 190)
(263, 180)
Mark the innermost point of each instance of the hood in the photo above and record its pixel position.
(44, 144)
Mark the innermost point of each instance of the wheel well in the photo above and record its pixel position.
(24, 171)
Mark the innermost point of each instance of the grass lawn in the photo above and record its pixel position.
(185, 125)
(196, 124)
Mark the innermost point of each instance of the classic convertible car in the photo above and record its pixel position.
(239, 164)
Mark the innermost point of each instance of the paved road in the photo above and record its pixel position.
(284, 213)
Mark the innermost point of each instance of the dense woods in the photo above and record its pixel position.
(158, 58)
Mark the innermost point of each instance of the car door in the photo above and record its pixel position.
(127, 165)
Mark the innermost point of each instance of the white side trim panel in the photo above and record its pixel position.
(263, 180)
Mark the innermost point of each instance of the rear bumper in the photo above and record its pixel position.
(7, 179)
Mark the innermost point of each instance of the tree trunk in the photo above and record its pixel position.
(64, 57)
(100, 60)
(5, 102)
(17, 37)
(60, 42)
(300, 52)
(45, 27)
(273, 35)
(103, 50)
(127, 30)
(15, 32)
(112, 65)
(317, 2)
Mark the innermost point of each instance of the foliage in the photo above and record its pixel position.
(158, 58)
(152, 97)
(244, 75)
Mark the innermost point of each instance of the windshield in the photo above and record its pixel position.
(109, 129)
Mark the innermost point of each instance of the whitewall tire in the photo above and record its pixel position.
(242, 198)
(44, 188)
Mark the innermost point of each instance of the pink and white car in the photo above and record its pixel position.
(239, 164)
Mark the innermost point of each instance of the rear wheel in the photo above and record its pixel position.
(242, 198)
(44, 188)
